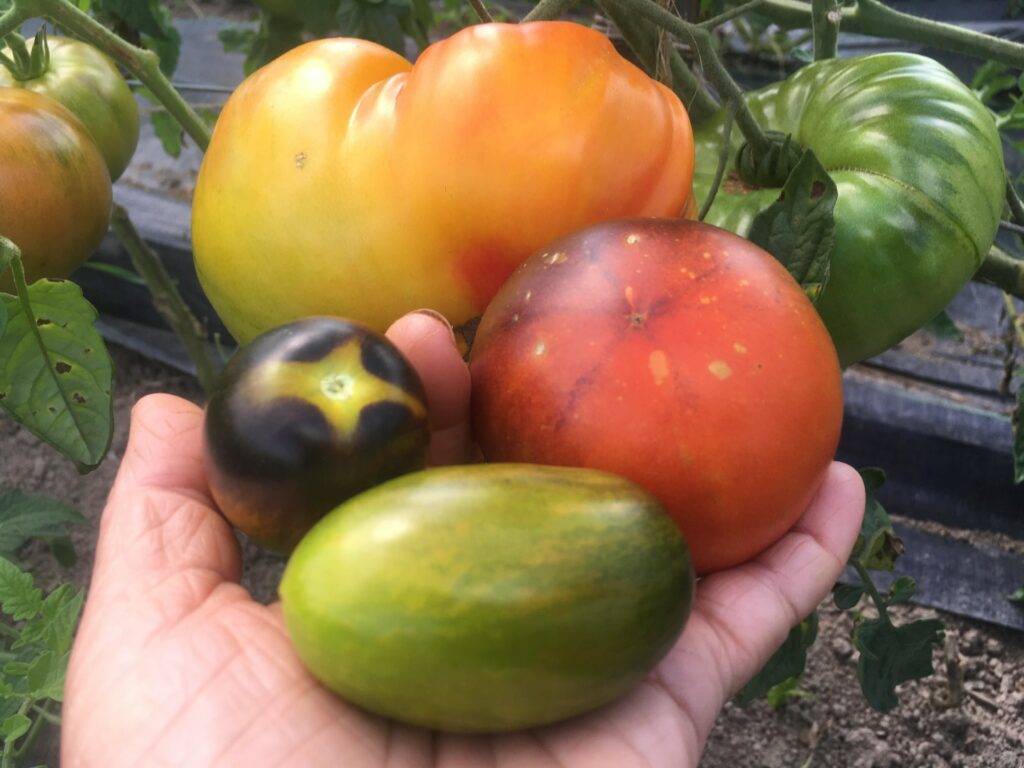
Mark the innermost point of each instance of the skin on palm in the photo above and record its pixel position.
(175, 664)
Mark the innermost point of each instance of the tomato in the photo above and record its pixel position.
(89, 84)
(490, 597)
(675, 354)
(343, 180)
(919, 167)
(55, 193)
(306, 416)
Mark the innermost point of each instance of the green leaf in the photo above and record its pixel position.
(1017, 597)
(942, 327)
(846, 596)
(46, 675)
(19, 597)
(167, 45)
(890, 655)
(877, 546)
(274, 37)
(57, 618)
(119, 272)
(1017, 423)
(56, 372)
(786, 690)
(317, 15)
(142, 15)
(236, 39)
(902, 589)
(3, 316)
(379, 21)
(168, 131)
(798, 229)
(787, 662)
(25, 517)
(15, 726)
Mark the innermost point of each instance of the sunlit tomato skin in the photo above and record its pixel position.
(341, 179)
(306, 416)
(677, 355)
(88, 83)
(55, 192)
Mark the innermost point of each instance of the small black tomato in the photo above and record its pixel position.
(306, 416)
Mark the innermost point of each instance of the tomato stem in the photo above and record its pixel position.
(12, 20)
(723, 161)
(872, 590)
(732, 13)
(481, 11)
(547, 10)
(1003, 271)
(871, 17)
(142, 63)
(825, 18)
(166, 298)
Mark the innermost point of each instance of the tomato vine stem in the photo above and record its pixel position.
(723, 161)
(481, 11)
(872, 590)
(548, 10)
(1003, 271)
(142, 63)
(166, 298)
(825, 18)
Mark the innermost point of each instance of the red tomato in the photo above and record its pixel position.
(676, 354)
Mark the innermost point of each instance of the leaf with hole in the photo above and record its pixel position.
(56, 373)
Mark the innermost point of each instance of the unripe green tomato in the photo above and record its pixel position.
(306, 416)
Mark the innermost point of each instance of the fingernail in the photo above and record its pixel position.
(438, 316)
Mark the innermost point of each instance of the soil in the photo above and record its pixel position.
(939, 723)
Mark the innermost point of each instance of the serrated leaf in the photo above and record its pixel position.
(877, 545)
(799, 229)
(55, 626)
(943, 327)
(890, 655)
(15, 726)
(25, 517)
(1017, 597)
(19, 597)
(56, 372)
(787, 662)
(168, 131)
(46, 675)
(846, 596)
(138, 14)
(902, 589)
(16, 668)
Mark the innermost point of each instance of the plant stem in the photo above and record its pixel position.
(870, 17)
(723, 160)
(9, 755)
(701, 40)
(45, 713)
(43, 716)
(481, 11)
(872, 590)
(546, 10)
(144, 64)
(732, 13)
(825, 18)
(11, 632)
(1014, 201)
(12, 20)
(166, 298)
(1003, 271)
(640, 35)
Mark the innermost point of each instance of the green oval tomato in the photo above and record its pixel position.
(919, 167)
(86, 82)
(489, 597)
(54, 187)
(306, 416)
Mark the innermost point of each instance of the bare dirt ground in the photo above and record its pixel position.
(834, 729)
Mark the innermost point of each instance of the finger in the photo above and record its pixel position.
(741, 616)
(159, 519)
(426, 339)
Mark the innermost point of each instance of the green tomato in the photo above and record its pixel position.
(489, 597)
(919, 167)
(88, 84)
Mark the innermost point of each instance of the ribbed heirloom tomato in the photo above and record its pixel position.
(677, 355)
(341, 179)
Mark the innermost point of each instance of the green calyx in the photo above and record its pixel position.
(772, 167)
(23, 64)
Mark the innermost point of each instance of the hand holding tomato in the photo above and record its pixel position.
(175, 662)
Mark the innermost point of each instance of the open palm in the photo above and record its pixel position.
(176, 664)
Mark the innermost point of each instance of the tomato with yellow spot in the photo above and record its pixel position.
(677, 355)
(306, 416)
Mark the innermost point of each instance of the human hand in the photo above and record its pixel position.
(176, 664)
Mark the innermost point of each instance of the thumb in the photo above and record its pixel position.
(159, 521)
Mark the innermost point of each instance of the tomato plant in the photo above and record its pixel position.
(305, 416)
(55, 192)
(411, 188)
(919, 167)
(86, 82)
(675, 354)
(461, 597)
